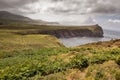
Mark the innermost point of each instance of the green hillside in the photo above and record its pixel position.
(60, 63)
(43, 57)
(26, 54)
(11, 18)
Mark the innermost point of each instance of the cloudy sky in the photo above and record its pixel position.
(63, 10)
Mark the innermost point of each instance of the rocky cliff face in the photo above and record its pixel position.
(68, 33)
(72, 33)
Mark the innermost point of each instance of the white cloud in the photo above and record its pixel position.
(114, 21)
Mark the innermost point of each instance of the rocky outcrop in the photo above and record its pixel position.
(96, 31)
(72, 33)
(68, 32)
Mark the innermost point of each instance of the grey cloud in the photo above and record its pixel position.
(62, 6)
(89, 6)
(14, 4)
(108, 6)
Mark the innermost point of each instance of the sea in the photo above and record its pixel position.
(109, 34)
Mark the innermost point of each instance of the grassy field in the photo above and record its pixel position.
(43, 57)
(9, 41)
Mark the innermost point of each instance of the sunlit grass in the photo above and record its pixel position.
(10, 41)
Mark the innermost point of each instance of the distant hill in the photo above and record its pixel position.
(4, 15)
(7, 16)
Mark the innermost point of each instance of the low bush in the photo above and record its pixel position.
(117, 76)
(79, 61)
(98, 75)
(118, 60)
(101, 58)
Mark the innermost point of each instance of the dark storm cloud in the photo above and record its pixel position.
(62, 6)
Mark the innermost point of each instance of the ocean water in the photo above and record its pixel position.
(76, 41)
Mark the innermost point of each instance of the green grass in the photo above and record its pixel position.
(27, 63)
(23, 25)
(10, 41)
(37, 62)
(43, 57)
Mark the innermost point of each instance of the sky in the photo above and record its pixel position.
(65, 11)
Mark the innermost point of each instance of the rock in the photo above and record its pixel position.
(68, 33)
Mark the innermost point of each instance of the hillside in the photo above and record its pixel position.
(96, 61)
(34, 56)
(4, 15)
(7, 17)
(62, 31)
(75, 31)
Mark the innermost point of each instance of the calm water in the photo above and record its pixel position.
(76, 41)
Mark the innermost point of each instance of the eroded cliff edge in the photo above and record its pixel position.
(69, 31)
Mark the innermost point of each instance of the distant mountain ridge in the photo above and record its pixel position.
(4, 15)
(7, 16)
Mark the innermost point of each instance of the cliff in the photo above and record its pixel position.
(81, 31)
(68, 31)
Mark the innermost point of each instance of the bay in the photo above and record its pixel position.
(76, 41)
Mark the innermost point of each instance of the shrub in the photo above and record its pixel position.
(91, 50)
(117, 76)
(79, 61)
(52, 67)
(99, 58)
(114, 51)
(118, 60)
(98, 75)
